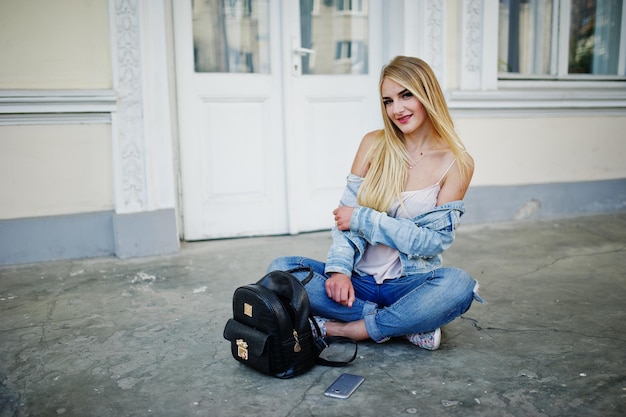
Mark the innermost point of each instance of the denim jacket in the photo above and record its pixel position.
(420, 240)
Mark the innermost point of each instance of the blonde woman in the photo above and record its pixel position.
(383, 277)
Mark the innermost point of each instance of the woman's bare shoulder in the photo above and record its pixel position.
(370, 138)
(468, 167)
(361, 163)
(455, 184)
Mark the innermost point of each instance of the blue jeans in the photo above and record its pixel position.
(412, 304)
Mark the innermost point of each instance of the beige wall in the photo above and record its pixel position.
(540, 150)
(60, 44)
(58, 168)
(55, 169)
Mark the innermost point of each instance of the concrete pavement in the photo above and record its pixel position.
(143, 337)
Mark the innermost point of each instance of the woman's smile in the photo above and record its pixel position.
(404, 119)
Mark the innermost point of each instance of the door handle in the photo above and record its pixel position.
(303, 51)
(298, 53)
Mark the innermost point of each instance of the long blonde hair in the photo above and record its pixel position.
(388, 157)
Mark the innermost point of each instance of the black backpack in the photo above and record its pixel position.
(271, 327)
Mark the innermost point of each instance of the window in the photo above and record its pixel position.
(350, 5)
(231, 36)
(567, 39)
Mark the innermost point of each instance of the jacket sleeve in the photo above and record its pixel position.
(405, 235)
(349, 197)
(342, 253)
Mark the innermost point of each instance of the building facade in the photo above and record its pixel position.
(127, 126)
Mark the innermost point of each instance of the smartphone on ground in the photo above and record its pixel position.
(344, 386)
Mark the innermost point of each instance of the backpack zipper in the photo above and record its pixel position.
(296, 348)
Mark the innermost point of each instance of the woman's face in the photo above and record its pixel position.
(403, 109)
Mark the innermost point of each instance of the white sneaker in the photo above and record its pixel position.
(321, 323)
(428, 340)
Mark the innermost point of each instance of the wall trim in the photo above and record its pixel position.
(38, 107)
(540, 101)
(424, 33)
(478, 45)
(54, 119)
(143, 153)
(57, 101)
(127, 124)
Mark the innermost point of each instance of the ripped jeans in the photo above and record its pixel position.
(413, 304)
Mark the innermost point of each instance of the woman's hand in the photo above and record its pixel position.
(342, 217)
(339, 288)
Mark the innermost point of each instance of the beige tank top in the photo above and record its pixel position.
(383, 262)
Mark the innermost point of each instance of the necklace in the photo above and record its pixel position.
(422, 154)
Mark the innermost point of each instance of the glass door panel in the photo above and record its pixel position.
(231, 36)
(335, 36)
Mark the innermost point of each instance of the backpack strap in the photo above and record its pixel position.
(322, 343)
(301, 269)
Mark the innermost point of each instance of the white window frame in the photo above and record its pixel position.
(561, 23)
(480, 91)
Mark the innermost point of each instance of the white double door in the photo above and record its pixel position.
(272, 106)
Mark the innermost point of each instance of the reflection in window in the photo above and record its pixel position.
(525, 33)
(231, 36)
(531, 34)
(595, 36)
(340, 40)
(350, 5)
(351, 54)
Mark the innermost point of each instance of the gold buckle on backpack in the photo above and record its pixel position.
(242, 349)
(247, 309)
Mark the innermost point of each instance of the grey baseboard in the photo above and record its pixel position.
(145, 234)
(491, 204)
(88, 235)
(155, 232)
